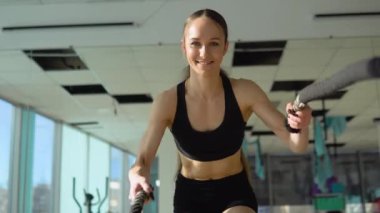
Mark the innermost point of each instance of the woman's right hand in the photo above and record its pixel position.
(138, 181)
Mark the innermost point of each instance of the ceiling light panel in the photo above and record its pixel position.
(56, 59)
(88, 89)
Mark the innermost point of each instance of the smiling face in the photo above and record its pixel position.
(204, 45)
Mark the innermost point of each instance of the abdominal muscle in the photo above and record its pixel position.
(211, 170)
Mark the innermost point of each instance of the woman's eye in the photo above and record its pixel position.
(195, 44)
(214, 44)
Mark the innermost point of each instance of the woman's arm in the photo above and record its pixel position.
(275, 120)
(160, 118)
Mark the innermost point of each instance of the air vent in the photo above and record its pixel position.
(63, 26)
(258, 53)
(85, 89)
(57, 59)
(346, 15)
(88, 123)
(289, 85)
(136, 98)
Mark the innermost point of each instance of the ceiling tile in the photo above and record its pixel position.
(157, 88)
(357, 42)
(136, 112)
(108, 59)
(314, 44)
(120, 77)
(30, 77)
(163, 75)
(298, 72)
(73, 77)
(346, 56)
(95, 101)
(126, 88)
(12, 93)
(16, 61)
(306, 57)
(154, 56)
(261, 75)
(375, 41)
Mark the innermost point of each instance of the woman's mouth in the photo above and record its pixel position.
(203, 62)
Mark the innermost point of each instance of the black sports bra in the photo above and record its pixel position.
(216, 144)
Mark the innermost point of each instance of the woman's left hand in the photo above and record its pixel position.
(298, 119)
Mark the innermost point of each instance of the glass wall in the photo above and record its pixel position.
(129, 160)
(90, 161)
(291, 180)
(116, 181)
(73, 166)
(346, 169)
(99, 158)
(371, 177)
(42, 167)
(260, 186)
(6, 129)
(42, 159)
(152, 206)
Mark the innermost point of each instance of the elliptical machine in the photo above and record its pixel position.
(89, 197)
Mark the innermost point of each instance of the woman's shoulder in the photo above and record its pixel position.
(244, 84)
(166, 102)
(167, 96)
(247, 91)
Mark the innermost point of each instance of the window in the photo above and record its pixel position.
(116, 180)
(129, 161)
(291, 179)
(6, 127)
(42, 168)
(99, 160)
(73, 165)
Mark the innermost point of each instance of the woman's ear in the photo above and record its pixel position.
(226, 47)
(183, 46)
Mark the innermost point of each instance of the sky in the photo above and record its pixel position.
(6, 115)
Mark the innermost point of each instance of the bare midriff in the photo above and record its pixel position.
(211, 170)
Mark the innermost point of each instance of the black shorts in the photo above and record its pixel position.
(194, 196)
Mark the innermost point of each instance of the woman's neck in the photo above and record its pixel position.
(205, 87)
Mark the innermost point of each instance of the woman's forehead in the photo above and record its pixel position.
(203, 27)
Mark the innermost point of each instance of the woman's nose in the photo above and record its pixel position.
(203, 51)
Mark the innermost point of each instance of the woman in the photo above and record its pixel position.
(206, 114)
